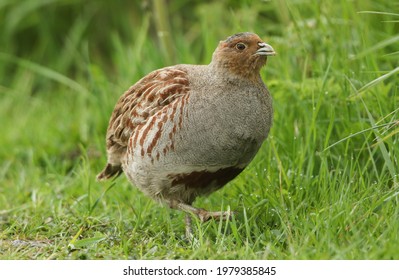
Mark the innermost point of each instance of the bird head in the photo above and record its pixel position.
(242, 54)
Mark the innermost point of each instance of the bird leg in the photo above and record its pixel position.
(189, 229)
(202, 214)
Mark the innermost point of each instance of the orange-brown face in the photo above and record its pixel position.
(243, 54)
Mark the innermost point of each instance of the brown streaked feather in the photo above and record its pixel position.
(144, 99)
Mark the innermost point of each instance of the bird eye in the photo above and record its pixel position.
(240, 46)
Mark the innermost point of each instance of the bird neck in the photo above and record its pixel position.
(235, 71)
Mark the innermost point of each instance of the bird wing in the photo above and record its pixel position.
(141, 101)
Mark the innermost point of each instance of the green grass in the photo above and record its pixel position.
(325, 185)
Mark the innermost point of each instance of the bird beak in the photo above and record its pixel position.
(265, 49)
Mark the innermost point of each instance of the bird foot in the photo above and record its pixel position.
(203, 214)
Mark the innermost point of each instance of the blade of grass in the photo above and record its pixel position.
(100, 197)
(374, 82)
(381, 146)
(378, 13)
(45, 72)
(372, 128)
(163, 29)
(378, 46)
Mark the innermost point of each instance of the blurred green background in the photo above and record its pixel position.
(324, 185)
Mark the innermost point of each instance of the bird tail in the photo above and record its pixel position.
(109, 171)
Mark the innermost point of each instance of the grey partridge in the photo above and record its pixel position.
(186, 130)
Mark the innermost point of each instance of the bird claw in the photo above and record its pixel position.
(204, 215)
